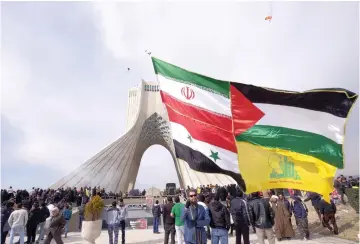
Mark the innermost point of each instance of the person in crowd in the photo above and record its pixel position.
(283, 227)
(10, 192)
(340, 186)
(6, 211)
(262, 217)
(112, 219)
(315, 201)
(179, 225)
(17, 222)
(300, 213)
(81, 215)
(201, 201)
(33, 221)
(219, 221)
(286, 202)
(56, 226)
(67, 216)
(240, 214)
(156, 211)
(169, 222)
(45, 213)
(228, 205)
(195, 218)
(328, 211)
(335, 196)
(123, 216)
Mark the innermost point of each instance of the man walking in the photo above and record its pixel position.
(315, 200)
(81, 215)
(179, 225)
(262, 217)
(67, 212)
(34, 219)
(156, 211)
(220, 221)
(17, 222)
(123, 215)
(113, 223)
(240, 213)
(45, 213)
(328, 211)
(169, 222)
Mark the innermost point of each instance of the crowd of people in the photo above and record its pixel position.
(211, 212)
(216, 216)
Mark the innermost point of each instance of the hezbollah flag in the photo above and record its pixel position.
(199, 110)
(298, 141)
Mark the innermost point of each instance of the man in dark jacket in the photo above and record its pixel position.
(45, 213)
(156, 211)
(328, 211)
(300, 213)
(5, 214)
(262, 217)
(315, 200)
(33, 221)
(220, 221)
(240, 214)
(169, 222)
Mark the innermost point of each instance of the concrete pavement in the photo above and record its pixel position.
(147, 237)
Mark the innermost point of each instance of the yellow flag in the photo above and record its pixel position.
(265, 168)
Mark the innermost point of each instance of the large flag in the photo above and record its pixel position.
(276, 139)
(298, 141)
(199, 111)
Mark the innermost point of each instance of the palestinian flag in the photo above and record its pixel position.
(199, 110)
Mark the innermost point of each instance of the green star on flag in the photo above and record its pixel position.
(190, 138)
(214, 155)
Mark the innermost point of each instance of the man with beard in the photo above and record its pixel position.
(240, 213)
(283, 227)
(195, 218)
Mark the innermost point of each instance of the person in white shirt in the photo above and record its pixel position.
(17, 222)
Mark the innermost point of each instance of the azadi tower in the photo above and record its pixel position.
(115, 168)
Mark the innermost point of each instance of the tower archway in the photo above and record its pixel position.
(115, 168)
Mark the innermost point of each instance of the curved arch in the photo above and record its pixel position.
(115, 168)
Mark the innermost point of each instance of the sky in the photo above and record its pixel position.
(64, 72)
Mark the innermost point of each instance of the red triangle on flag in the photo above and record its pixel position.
(244, 113)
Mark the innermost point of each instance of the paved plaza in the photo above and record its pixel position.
(147, 237)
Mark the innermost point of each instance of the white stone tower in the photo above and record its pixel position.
(115, 168)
